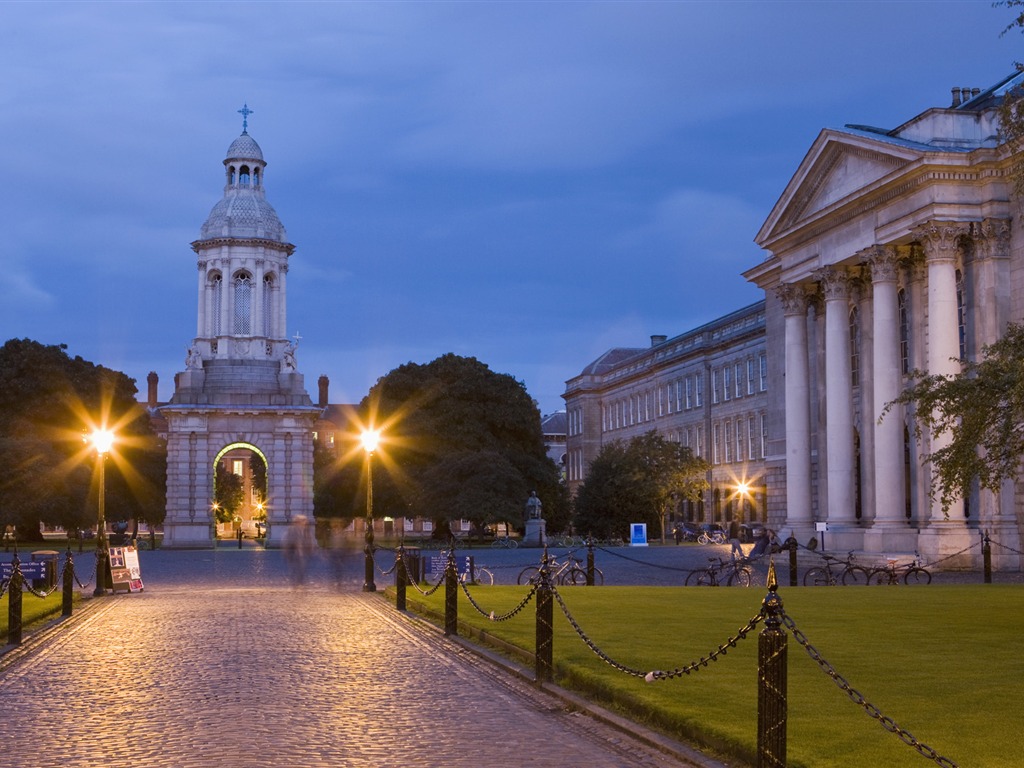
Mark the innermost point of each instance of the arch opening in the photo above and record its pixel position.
(240, 492)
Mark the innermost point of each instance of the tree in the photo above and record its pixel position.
(641, 480)
(228, 493)
(459, 442)
(982, 409)
(48, 402)
(1011, 111)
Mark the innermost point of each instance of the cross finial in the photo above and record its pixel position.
(297, 338)
(245, 112)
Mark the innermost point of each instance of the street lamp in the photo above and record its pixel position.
(102, 440)
(370, 439)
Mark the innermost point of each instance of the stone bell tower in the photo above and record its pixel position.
(241, 389)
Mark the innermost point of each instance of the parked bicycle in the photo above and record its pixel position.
(504, 542)
(568, 572)
(836, 570)
(894, 573)
(731, 573)
(479, 574)
(569, 541)
(713, 536)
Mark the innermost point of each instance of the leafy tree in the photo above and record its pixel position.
(459, 442)
(1011, 111)
(48, 402)
(982, 409)
(228, 493)
(641, 480)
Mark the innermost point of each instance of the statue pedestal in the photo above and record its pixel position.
(535, 535)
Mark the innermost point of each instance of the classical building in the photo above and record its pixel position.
(889, 251)
(707, 389)
(240, 393)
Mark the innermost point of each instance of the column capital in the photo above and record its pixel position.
(793, 298)
(941, 239)
(883, 261)
(834, 283)
(992, 238)
(201, 264)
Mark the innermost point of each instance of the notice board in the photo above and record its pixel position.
(125, 572)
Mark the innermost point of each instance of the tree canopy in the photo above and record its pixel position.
(982, 409)
(639, 481)
(459, 441)
(48, 402)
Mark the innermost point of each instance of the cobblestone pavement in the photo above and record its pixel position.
(221, 662)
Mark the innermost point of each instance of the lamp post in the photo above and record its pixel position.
(370, 439)
(102, 440)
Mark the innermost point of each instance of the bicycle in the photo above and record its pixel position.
(570, 542)
(712, 537)
(824, 576)
(481, 574)
(570, 572)
(504, 542)
(740, 574)
(909, 573)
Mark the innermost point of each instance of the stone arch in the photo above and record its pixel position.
(252, 513)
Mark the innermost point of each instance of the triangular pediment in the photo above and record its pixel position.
(837, 167)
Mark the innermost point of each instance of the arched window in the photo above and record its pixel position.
(255, 177)
(243, 175)
(215, 296)
(901, 298)
(231, 175)
(961, 318)
(268, 286)
(854, 346)
(242, 321)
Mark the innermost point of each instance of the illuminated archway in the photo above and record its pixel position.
(247, 496)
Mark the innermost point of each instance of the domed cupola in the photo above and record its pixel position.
(243, 212)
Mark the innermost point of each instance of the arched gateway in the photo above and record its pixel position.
(240, 384)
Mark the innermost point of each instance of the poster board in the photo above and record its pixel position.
(125, 572)
(638, 534)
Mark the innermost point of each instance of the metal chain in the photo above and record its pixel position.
(4, 584)
(490, 614)
(886, 722)
(641, 562)
(656, 674)
(1004, 546)
(411, 578)
(949, 557)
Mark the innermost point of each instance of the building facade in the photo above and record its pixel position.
(889, 251)
(240, 392)
(707, 389)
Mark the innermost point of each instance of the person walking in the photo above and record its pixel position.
(734, 540)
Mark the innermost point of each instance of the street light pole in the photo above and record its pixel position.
(102, 440)
(370, 439)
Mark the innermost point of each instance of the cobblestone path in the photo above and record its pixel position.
(276, 677)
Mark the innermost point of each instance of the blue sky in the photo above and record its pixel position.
(528, 183)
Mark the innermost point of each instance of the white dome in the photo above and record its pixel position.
(244, 148)
(243, 213)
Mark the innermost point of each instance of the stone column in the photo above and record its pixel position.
(201, 330)
(281, 313)
(835, 286)
(864, 300)
(798, 429)
(915, 277)
(257, 301)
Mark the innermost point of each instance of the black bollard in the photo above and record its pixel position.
(68, 584)
(771, 681)
(401, 579)
(14, 602)
(451, 595)
(986, 551)
(545, 625)
(590, 562)
(794, 577)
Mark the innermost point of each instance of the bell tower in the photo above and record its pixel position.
(241, 389)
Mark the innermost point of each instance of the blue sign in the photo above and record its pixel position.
(638, 534)
(437, 563)
(28, 570)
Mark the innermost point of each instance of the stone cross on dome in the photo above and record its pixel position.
(245, 112)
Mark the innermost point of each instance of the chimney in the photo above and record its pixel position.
(956, 97)
(657, 339)
(975, 92)
(152, 381)
(323, 383)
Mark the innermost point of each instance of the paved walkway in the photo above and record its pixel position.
(222, 663)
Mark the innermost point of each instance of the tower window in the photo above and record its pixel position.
(215, 304)
(242, 325)
(243, 175)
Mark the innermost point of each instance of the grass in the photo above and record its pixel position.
(944, 662)
(34, 610)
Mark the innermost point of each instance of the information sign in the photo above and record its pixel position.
(638, 534)
(125, 573)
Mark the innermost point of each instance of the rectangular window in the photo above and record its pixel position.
(714, 387)
(236, 467)
(751, 438)
(699, 394)
(763, 365)
(739, 439)
(661, 401)
(739, 380)
(716, 445)
(647, 406)
(728, 442)
(700, 441)
(764, 436)
(679, 395)
(750, 376)
(689, 393)
(727, 383)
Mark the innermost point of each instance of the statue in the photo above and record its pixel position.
(289, 357)
(193, 358)
(533, 505)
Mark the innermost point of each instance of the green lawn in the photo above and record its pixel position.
(33, 610)
(946, 663)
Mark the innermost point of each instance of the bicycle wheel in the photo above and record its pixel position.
(512, 544)
(483, 576)
(497, 544)
(697, 579)
(818, 577)
(740, 578)
(880, 576)
(855, 575)
(574, 577)
(703, 539)
(528, 575)
(917, 575)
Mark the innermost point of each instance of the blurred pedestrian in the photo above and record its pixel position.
(335, 549)
(298, 546)
(734, 540)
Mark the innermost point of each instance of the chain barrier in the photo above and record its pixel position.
(855, 696)
(504, 616)
(413, 579)
(949, 557)
(641, 562)
(4, 583)
(380, 570)
(1005, 546)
